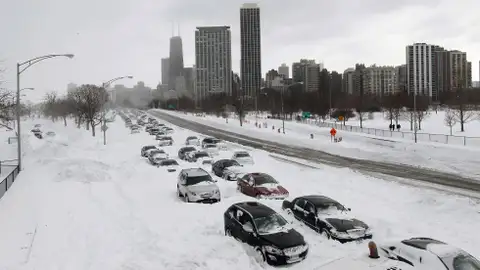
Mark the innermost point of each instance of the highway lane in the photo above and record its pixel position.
(361, 165)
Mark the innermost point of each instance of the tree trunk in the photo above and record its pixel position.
(87, 124)
(451, 133)
(65, 120)
(93, 128)
(462, 121)
(411, 120)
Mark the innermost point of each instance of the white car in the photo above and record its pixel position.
(192, 140)
(165, 140)
(428, 253)
(232, 173)
(200, 157)
(197, 185)
(212, 149)
(243, 157)
(170, 164)
(222, 146)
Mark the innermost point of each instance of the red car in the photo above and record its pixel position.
(262, 186)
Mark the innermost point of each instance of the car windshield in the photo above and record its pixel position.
(242, 155)
(230, 163)
(149, 147)
(192, 138)
(264, 179)
(271, 224)
(188, 149)
(201, 154)
(210, 146)
(216, 140)
(157, 152)
(461, 261)
(330, 207)
(193, 180)
(166, 138)
(169, 162)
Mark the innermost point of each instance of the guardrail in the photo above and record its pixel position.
(426, 137)
(7, 181)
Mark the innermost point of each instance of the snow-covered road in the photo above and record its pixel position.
(81, 205)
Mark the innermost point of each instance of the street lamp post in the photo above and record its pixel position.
(21, 67)
(285, 87)
(104, 114)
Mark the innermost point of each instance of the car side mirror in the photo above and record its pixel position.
(392, 248)
(349, 209)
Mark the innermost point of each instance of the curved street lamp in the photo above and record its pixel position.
(105, 85)
(21, 67)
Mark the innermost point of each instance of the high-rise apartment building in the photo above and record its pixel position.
(165, 70)
(307, 72)
(213, 61)
(284, 71)
(380, 80)
(401, 78)
(175, 61)
(250, 54)
(347, 81)
(189, 74)
(423, 70)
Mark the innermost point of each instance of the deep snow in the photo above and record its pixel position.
(449, 158)
(81, 205)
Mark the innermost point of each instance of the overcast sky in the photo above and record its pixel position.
(113, 38)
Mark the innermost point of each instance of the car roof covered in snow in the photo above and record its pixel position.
(256, 209)
(194, 172)
(319, 199)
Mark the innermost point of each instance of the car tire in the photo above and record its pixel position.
(187, 200)
(259, 256)
(325, 234)
(289, 211)
(228, 232)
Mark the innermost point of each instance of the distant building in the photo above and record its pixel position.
(175, 61)
(250, 49)
(189, 74)
(347, 81)
(213, 61)
(308, 72)
(284, 71)
(165, 70)
(380, 80)
(401, 78)
(71, 87)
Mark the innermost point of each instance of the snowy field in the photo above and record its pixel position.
(449, 158)
(81, 205)
(433, 123)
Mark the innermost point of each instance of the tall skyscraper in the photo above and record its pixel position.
(423, 70)
(284, 71)
(176, 61)
(213, 61)
(165, 70)
(250, 42)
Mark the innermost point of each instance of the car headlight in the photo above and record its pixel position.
(217, 191)
(193, 193)
(273, 250)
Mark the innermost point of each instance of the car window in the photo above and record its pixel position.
(193, 180)
(169, 162)
(229, 163)
(241, 155)
(300, 203)
(462, 261)
(263, 179)
(201, 154)
(270, 224)
(310, 208)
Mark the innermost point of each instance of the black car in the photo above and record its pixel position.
(210, 140)
(182, 152)
(328, 217)
(144, 150)
(194, 156)
(170, 164)
(220, 165)
(154, 131)
(266, 231)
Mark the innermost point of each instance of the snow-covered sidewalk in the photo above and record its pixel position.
(449, 158)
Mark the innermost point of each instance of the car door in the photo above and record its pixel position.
(298, 209)
(247, 236)
(249, 188)
(236, 226)
(311, 217)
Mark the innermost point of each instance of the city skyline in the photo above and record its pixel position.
(285, 39)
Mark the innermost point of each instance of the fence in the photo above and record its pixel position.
(7, 182)
(426, 137)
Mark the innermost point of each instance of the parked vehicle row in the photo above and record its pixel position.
(272, 236)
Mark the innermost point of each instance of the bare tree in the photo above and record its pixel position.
(7, 107)
(450, 119)
(92, 98)
(421, 111)
(49, 105)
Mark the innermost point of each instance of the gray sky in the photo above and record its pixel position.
(113, 38)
